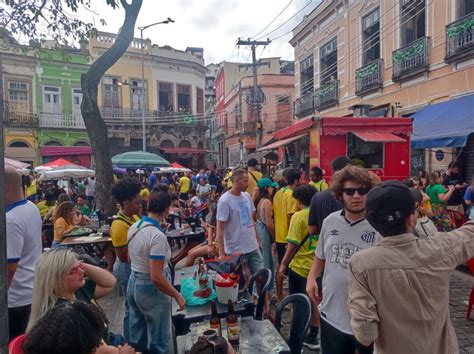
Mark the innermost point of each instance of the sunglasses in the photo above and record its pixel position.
(351, 191)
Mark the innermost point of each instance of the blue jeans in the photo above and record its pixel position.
(122, 272)
(265, 238)
(150, 315)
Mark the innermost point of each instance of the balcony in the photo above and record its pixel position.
(19, 117)
(304, 105)
(121, 116)
(61, 120)
(326, 96)
(460, 39)
(369, 78)
(410, 60)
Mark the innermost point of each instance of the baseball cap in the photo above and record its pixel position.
(266, 182)
(389, 202)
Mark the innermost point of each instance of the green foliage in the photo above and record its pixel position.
(48, 19)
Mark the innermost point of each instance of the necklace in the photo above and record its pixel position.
(67, 298)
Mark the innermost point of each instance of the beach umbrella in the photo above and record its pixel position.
(139, 159)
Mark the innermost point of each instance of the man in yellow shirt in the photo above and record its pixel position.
(127, 193)
(284, 206)
(184, 187)
(317, 181)
(254, 176)
(299, 255)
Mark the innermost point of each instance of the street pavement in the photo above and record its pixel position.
(460, 288)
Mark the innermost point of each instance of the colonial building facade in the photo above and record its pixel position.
(396, 56)
(174, 100)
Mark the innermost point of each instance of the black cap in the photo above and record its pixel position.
(390, 202)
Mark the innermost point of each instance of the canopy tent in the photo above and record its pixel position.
(139, 159)
(446, 124)
(55, 164)
(14, 163)
(173, 170)
(176, 165)
(20, 166)
(63, 172)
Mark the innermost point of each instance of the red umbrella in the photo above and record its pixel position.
(177, 165)
(59, 162)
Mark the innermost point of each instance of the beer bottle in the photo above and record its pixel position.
(215, 321)
(233, 330)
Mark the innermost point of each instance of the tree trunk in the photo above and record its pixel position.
(95, 125)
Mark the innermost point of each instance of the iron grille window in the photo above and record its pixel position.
(307, 75)
(328, 67)
(412, 20)
(371, 36)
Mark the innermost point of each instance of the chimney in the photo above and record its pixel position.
(361, 110)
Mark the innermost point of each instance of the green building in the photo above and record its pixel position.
(58, 97)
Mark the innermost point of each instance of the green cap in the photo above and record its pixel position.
(266, 182)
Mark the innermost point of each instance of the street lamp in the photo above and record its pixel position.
(168, 20)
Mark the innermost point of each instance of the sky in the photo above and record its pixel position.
(213, 25)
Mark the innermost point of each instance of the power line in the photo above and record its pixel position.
(294, 15)
(274, 19)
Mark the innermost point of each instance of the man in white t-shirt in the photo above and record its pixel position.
(23, 249)
(90, 188)
(343, 233)
(235, 224)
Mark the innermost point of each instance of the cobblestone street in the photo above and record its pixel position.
(460, 288)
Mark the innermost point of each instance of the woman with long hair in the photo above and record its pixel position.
(266, 228)
(65, 220)
(438, 199)
(61, 277)
(150, 290)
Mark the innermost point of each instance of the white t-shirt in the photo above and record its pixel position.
(339, 239)
(149, 243)
(200, 189)
(90, 187)
(24, 248)
(239, 230)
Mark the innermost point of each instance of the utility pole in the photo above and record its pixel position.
(257, 97)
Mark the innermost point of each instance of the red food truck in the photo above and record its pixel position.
(380, 144)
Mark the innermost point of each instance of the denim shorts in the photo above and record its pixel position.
(254, 260)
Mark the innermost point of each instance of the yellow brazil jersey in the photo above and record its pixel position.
(253, 182)
(119, 229)
(319, 186)
(32, 189)
(185, 183)
(303, 259)
(283, 204)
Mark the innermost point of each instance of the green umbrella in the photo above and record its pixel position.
(138, 159)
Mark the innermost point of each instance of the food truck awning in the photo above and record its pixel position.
(279, 143)
(446, 124)
(296, 128)
(379, 137)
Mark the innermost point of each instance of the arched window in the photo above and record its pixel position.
(53, 143)
(81, 143)
(200, 145)
(185, 144)
(166, 144)
(19, 144)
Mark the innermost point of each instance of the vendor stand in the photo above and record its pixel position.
(381, 145)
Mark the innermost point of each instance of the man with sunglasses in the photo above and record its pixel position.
(342, 234)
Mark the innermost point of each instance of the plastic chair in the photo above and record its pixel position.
(302, 314)
(458, 218)
(15, 346)
(470, 303)
(263, 276)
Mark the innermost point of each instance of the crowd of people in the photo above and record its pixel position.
(375, 258)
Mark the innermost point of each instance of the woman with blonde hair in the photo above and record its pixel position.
(60, 277)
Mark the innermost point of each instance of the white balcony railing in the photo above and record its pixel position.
(61, 120)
